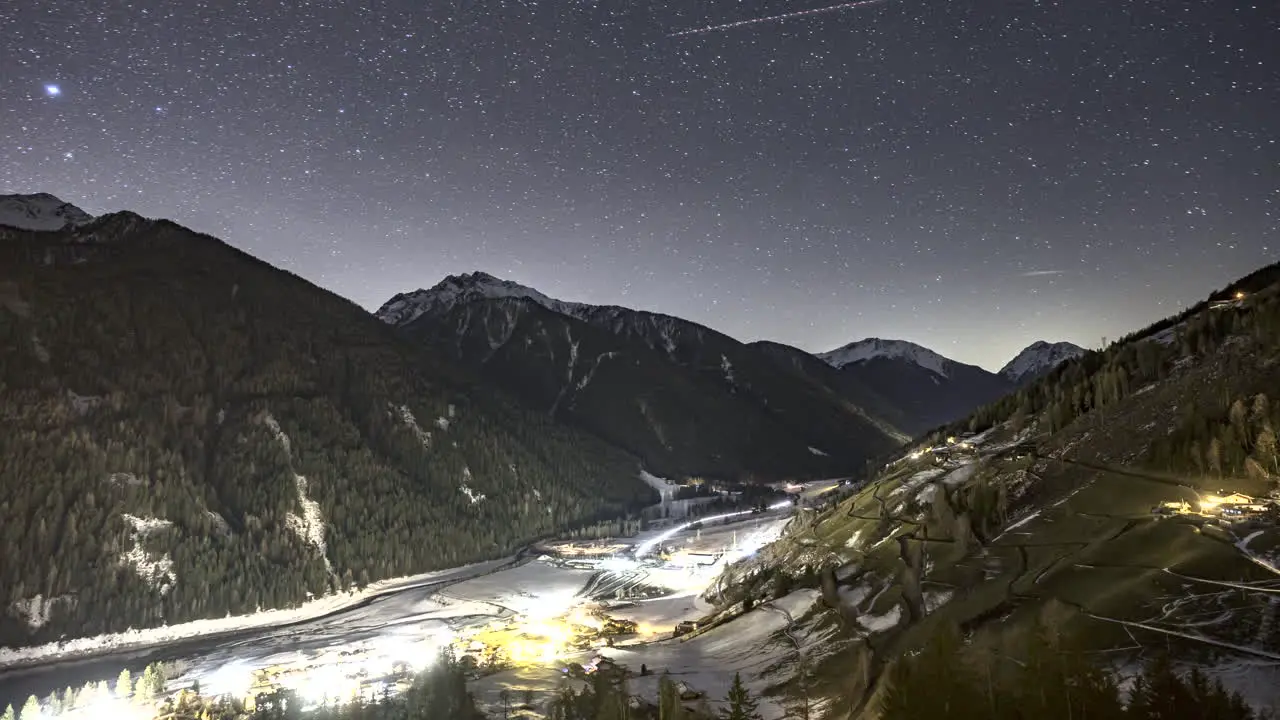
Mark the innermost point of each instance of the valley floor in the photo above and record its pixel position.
(402, 621)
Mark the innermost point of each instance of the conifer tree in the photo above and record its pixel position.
(124, 685)
(933, 684)
(8, 714)
(151, 685)
(741, 705)
(30, 709)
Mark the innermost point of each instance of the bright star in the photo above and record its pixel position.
(52, 90)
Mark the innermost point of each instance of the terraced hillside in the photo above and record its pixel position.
(1046, 516)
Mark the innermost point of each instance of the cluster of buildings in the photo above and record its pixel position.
(1233, 506)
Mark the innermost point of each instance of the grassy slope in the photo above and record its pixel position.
(1092, 545)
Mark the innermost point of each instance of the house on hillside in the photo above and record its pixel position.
(1233, 505)
(1225, 304)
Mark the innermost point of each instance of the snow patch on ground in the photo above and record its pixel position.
(960, 475)
(156, 571)
(406, 415)
(83, 404)
(146, 527)
(586, 378)
(881, 623)
(727, 368)
(1169, 335)
(665, 489)
(309, 526)
(281, 437)
(925, 496)
(799, 602)
(219, 522)
(816, 451)
(472, 495)
(934, 599)
(912, 483)
(538, 588)
(854, 596)
(1022, 522)
(852, 542)
(124, 478)
(755, 645)
(35, 611)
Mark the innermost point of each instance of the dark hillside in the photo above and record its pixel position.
(189, 432)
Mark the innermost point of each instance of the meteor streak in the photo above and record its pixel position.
(774, 18)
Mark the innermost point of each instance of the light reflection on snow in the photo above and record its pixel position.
(647, 546)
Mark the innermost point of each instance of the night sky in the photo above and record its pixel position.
(971, 175)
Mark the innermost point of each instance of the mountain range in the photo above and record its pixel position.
(687, 400)
(40, 211)
(192, 432)
(188, 432)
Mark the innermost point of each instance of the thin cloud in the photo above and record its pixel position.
(1039, 273)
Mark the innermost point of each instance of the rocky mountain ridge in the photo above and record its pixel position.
(40, 211)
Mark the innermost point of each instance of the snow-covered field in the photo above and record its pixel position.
(756, 645)
(137, 639)
(406, 615)
(535, 588)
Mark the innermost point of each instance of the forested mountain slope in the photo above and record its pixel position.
(1040, 528)
(887, 415)
(187, 432)
(686, 399)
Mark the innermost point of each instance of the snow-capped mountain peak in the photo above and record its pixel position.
(455, 289)
(40, 211)
(871, 348)
(1039, 358)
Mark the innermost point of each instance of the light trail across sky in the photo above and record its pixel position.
(775, 18)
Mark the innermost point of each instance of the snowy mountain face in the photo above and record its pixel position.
(923, 388)
(661, 332)
(872, 348)
(1038, 359)
(41, 211)
(459, 289)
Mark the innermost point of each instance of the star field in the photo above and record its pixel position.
(968, 175)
